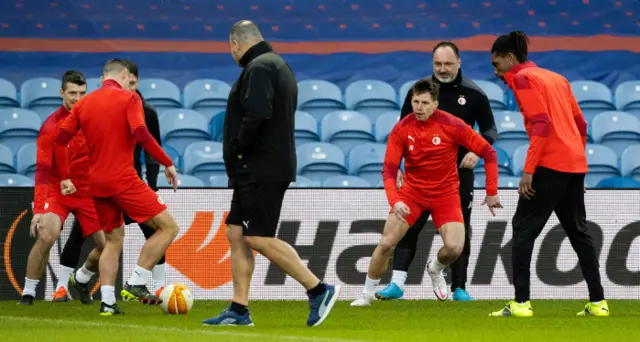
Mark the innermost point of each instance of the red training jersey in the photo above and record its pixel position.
(47, 170)
(112, 120)
(554, 122)
(430, 151)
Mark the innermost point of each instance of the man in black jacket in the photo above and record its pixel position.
(464, 99)
(260, 158)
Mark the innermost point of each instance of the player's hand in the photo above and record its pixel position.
(492, 202)
(172, 177)
(399, 179)
(469, 161)
(34, 223)
(525, 190)
(401, 209)
(67, 187)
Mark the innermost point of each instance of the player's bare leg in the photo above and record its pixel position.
(394, 230)
(80, 278)
(108, 265)
(242, 264)
(49, 228)
(153, 249)
(453, 238)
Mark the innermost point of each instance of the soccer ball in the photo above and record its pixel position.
(176, 299)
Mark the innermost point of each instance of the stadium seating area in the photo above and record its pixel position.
(340, 135)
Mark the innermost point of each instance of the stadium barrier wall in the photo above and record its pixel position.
(335, 232)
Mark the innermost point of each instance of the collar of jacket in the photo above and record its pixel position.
(456, 81)
(255, 51)
(511, 74)
(111, 83)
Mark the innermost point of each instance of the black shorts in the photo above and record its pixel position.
(256, 208)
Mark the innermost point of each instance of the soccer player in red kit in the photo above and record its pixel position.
(112, 120)
(50, 207)
(428, 140)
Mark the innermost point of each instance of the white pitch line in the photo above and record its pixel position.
(209, 331)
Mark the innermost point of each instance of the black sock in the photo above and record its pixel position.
(318, 290)
(239, 308)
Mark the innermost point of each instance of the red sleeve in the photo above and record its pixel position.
(140, 132)
(535, 111)
(475, 143)
(581, 123)
(44, 162)
(392, 159)
(68, 128)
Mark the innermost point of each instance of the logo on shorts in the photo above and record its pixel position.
(46, 206)
(436, 139)
(160, 200)
(461, 100)
(246, 224)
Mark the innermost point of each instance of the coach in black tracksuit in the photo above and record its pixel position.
(464, 99)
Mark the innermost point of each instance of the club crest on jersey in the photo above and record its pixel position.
(461, 100)
(436, 139)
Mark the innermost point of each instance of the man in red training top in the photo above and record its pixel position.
(51, 208)
(428, 140)
(554, 171)
(112, 120)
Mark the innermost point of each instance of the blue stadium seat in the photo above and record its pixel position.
(511, 130)
(318, 97)
(627, 97)
(319, 161)
(6, 160)
(630, 162)
(93, 83)
(162, 94)
(618, 183)
(173, 154)
(203, 160)
(504, 164)
(345, 182)
(8, 95)
(616, 130)
(18, 127)
(346, 129)
(592, 97)
(508, 182)
(41, 95)
(366, 160)
(181, 127)
(306, 129)
(220, 181)
(371, 98)
(404, 90)
(184, 181)
(26, 160)
(216, 126)
(494, 93)
(603, 163)
(518, 159)
(207, 96)
(304, 182)
(11, 180)
(384, 125)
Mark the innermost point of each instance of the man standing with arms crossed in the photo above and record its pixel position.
(464, 99)
(113, 122)
(260, 157)
(554, 171)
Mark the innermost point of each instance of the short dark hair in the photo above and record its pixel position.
(73, 76)
(114, 65)
(133, 68)
(449, 44)
(425, 85)
(516, 42)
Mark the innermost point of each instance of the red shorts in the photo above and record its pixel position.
(443, 209)
(138, 201)
(80, 205)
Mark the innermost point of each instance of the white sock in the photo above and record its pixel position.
(30, 287)
(108, 294)
(398, 278)
(84, 275)
(63, 277)
(437, 266)
(158, 276)
(370, 286)
(139, 276)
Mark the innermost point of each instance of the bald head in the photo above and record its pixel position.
(246, 32)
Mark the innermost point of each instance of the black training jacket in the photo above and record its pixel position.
(152, 166)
